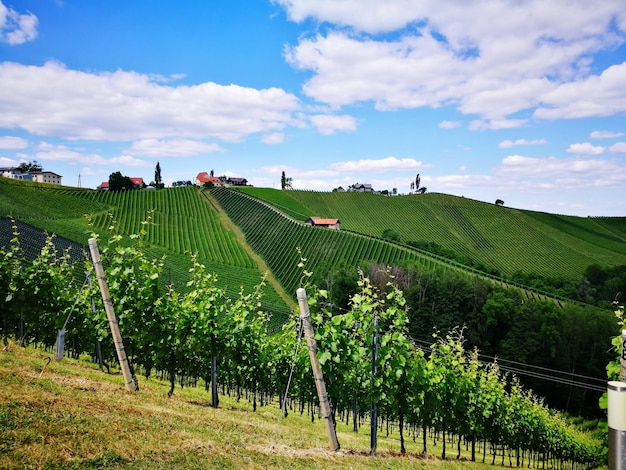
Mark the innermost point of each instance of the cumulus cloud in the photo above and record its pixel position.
(506, 144)
(595, 96)
(495, 124)
(171, 148)
(512, 56)
(585, 148)
(16, 28)
(273, 138)
(605, 135)
(330, 123)
(449, 124)
(619, 147)
(13, 143)
(126, 106)
(62, 153)
(568, 173)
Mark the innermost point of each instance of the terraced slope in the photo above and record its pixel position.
(508, 240)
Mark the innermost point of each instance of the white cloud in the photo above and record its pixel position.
(506, 144)
(62, 153)
(329, 123)
(449, 124)
(125, 106)
(593, 96)
(606, 135)
(563, 173)
(7, 162)
(496, 124)
(273, 138)
(383, 164)
(171, 148)
(585, 149)
(512, 56)
(16, 28)
(13, 143)
(619, 147)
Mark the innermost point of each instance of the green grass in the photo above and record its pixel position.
(71, 415)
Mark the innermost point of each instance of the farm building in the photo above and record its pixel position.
(37, 176)
(237, 182)
(14, 173)
(362, 187)
(46, 177)
(319, 222)
(203, 177)
(137, 183)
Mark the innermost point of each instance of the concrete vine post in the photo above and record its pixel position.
(108, 307)
(322, 394)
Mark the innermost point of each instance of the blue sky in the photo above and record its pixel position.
(523, 101)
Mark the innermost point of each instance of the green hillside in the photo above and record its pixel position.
(181, 223)
(503, 239)
(185, 220)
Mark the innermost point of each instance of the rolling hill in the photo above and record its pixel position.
(242, 234)
(507, 240)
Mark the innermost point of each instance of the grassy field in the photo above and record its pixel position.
(71, 415)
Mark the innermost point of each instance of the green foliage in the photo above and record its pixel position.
(391, 235)
(119, 182)
(163, 329)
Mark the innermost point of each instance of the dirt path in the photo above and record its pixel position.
(260, 262)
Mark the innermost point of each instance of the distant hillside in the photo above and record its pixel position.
(187, 220)
(503, 239)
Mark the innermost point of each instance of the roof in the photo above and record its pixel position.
(203, 177)
(44, 173)
(320, 221)
(137, 181)
(104, 184)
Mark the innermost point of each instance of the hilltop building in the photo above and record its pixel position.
(362, 188)
(203, 177)
(137, 184)
(36, 176)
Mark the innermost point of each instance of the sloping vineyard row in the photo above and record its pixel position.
(181, 222)
(513, 241)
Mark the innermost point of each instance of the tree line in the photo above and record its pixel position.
(500, 322)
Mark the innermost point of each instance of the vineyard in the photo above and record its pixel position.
(504, 239)
(181, 223)
(201, 336)
(193, 307)
(278, 239)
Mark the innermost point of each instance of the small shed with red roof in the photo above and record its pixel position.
(320, 222)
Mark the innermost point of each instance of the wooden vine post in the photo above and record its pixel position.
(108, 307)
(322, 394)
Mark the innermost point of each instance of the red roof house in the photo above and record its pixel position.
(319, 222)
